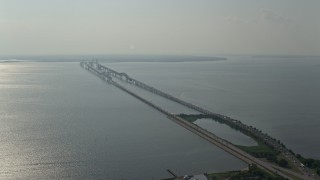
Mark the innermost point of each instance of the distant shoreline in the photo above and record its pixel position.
(114, 58)
(284, 56)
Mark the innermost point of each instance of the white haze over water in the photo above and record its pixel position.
(197, 27)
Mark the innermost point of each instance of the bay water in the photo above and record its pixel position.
(59, 121)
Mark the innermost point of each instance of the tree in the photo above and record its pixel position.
(283, 163)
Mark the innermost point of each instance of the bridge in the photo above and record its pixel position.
(107, 74)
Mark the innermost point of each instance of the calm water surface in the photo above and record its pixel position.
(59, 121)
(280, 96)
(225, 132)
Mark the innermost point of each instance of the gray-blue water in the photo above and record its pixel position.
(225, 132)
(280, 96)
(59, 121)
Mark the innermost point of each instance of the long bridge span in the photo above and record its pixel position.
(106, 74)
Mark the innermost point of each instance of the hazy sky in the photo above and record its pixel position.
(198, 27)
